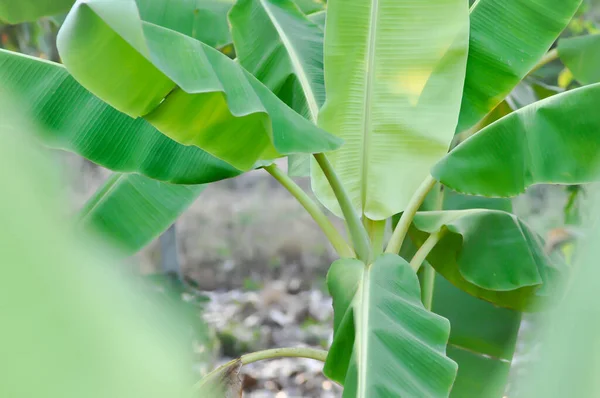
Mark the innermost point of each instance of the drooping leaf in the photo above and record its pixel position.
(276, 43)
(392, 95)
(205, 20)
(283, 49)
(76, 121)
(75, 323)
(17, 11)
(499, 58)
(482, 341)
(131, 210)
(553, 141)
(386, 344)
(492, 255)
(188, 90)
(582, 56)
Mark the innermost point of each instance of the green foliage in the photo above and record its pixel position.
(383, 86)
(582, 56)
(553, 141)
(131, 209)
(216, 106)
(482, 340)
(491, 255)
(401, 78)
(498, 60)
(75, 120)
(28, 10)
(382, 329)
(73, 321)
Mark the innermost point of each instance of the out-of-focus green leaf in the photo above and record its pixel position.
(482, 341)
(567, 363)
(500, 58)
(582, 56)
(553, 141)
(188, 90)
(72, 320)
(131, 210)
(386, 344)
(392, 95)
(76, 121)
(492, 255)
(17, 11)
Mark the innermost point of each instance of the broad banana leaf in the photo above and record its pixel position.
(276, 42)
(130, 210)
(17, 11)
(482, 336)
(582, 56)
(283, 49)
(482, 341)
(507, 39)
(491, 255)
(186, 89)
(393, 95)
(554, 141)
(73, 321)
(386, 344)
(74, 120)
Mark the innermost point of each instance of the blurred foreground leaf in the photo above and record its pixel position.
(73, 323)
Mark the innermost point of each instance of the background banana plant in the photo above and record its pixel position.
(431, 114)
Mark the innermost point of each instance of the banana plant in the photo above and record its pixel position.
(399, 110)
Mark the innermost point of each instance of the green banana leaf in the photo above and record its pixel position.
(17, 11)
(386, 344)
(276, 42)
(310, 6)
(507, 39)
(74, 325)
(554, 141)
(283, 49)
(582, 56)
(491, 255)
(392, 95)
(130, 210)
(456, 201)
(215, 105)
(72, 119)
(566, 365)
(482, 341)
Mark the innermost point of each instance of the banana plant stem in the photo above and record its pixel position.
(425, 249)
(428, 285)
(293, 352)
(376, 231)
(357, 231)
(407, 216)
(337, 240)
